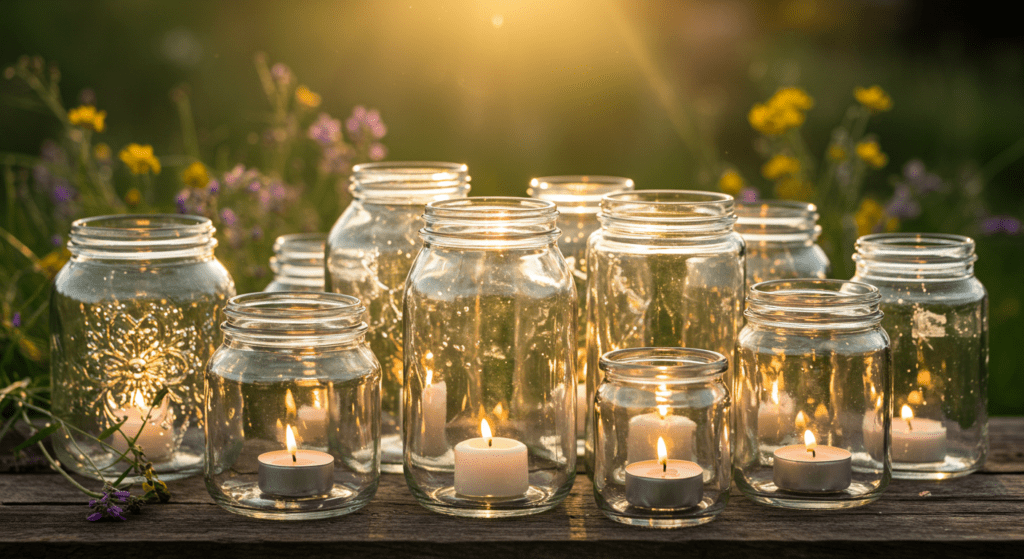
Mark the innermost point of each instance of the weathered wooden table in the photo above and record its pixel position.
(980, 515)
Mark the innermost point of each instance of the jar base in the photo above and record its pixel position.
(807, 504)
(246, 499)
(446, 501)
(659, 523)
(953, 467)
(760, 488)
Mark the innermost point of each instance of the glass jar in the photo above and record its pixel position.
(813, 395)
(936, 314)
(780, 237)
(578, 198)
(369, 252)
(293, 408)
(664, 270)
(133, 312)
(662, 437)
(490, 336)
(298, 263)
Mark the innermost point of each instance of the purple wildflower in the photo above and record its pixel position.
(228, 217)
(214, 186)
(63, 193)
(57, 240)
(325, 130)
(1000, 224)
(110, 505)
(182, 201)
(354, 123)
(903, 205)
(234, 177)
(278, 191)
(917, 177)
(282, 74)
(254, 187)
(337, 159)
(377, 151)
(16, 320)
(748, 195)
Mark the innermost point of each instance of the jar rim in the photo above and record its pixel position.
(293, 308)
(306, 246)
(133, 226)
(664, 365)
(409, 182)
(766, 210)
(142, 237)
(577, 189)
(685, 211)
(820, 294)
(924, 248)
(497, 208)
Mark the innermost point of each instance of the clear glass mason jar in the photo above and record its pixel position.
(298, 263)
(662, 399)
(780, 237)
(812, 397)
(664, 270)
(293, 408)
(369, 252)
(490, 335)
(578, 198)
(133, 312)
(936, 314)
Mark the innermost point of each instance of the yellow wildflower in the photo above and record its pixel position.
(780, 166)
(730, 182)
(53, 262)
(872, 154)
(874, 98)
(196, 175)
(133, 197)
(792, 97)
(140, 159)
(794, 189)
(836, 152)
(101, 152)
(868, 216)
(306, 97)
(87, 116)
(783, 111)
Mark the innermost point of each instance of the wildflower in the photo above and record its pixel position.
(780, 166)
(782, 112)
(101, 152)
(748, 196)
(282, 74)
(836, 152)
(377, 151)
(16, 320)
(182, 200)
(871, 218)
(154, 489)
(53, 262)
(794, 189)
(228, 217)
(793, 97)
(57, 241)
(730, 182)
(874, 98)
(133, 197)
(919, 179)
(307, 98)
(140, 159)
(63, 193)
(363, 121)
(1000, 224)
(903, 205)
(113, 504)
(195, 175)
(87, 116)
(325, 130)
(871, 153)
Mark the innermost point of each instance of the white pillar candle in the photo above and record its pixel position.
(156, 441)
(313, 421)
(294, 472)
(809, 468)
(645, 430)
(434, 410)
(775, 416)
(917, 440)
(491, 466)
(664, 483)
(581, 409)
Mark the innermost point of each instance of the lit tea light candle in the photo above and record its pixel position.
(809, 468)
(435, 416)
(313, 420)
(156, 441)
(775, 417)
(489, 466)
(294, 472)
(646, 429)
(917, 440)
(581, 409)
(664, 483)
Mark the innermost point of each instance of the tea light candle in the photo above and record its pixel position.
(155, 440)
(295, 473)
(490, 466)
(809, 468)
(664, 483)
(581, 409)
(775, 417)
(646, 429)
(917, 440)
(435, 416)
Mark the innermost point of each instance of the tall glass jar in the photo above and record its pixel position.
(490, 336)
(813, 395)
(664, 270)
(133, 312)
(780, 237)
(578, 198)
(293, 408)
(936, 314)
(369, 252)
(669, 399)
(298, 263)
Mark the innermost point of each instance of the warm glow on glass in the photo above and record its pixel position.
(775, 392)
(316, 400)
(138, 400)
(663, 411)
(289, 402)
(430, 377)
(801, 421)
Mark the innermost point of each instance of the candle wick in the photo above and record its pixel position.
(664, 467)
(490, 442)
(814, 454)
(294, 459)
(910, 426)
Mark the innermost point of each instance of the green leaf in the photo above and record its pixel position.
(111, 430)
(40, 435)
(159, 397)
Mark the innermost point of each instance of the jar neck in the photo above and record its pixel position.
(138, 238)
(780, 222)
(667, 213)
(491, 222)
(408, 182)
(916, 257)
(666, 366)
(290, 320)
(818, 304)
(577, 194)
(299, 259)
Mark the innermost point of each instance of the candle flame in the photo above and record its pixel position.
(662, 453)
(907, 414)
(430, 377)
(485, 430)
(663, 411)
(775, 392)
(290, 442)
(289, 402)
(809, 442)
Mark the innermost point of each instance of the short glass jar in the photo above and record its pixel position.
(662, 437)
(936, 315)
(578, 198)
(813, 396)
(664, 270)
(490, 336)
(298, 263)
(369, 252)
(293, 408)
(780, 237)
(133, 312)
